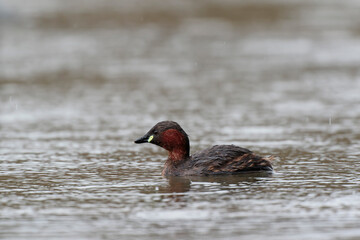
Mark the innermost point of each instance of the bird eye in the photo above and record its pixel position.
(155, 132)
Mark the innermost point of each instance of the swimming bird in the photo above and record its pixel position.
(215, 160)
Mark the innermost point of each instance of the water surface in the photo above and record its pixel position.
(78, 84)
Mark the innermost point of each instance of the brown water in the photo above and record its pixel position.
(80, 81)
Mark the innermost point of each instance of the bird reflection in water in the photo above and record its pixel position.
(183, 184)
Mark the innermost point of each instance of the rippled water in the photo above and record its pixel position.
(79, 83)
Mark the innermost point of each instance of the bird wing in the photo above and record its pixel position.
(228, 158)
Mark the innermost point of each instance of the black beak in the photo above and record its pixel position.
(143, 139)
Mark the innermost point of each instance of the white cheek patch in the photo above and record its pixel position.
(150, 138)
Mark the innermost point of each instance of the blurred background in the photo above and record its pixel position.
(80, 80)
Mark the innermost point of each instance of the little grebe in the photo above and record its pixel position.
(219, 159)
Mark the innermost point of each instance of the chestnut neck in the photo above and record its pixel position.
(178, 155)
(177, 143)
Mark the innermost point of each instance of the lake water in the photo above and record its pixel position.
(79, 82)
